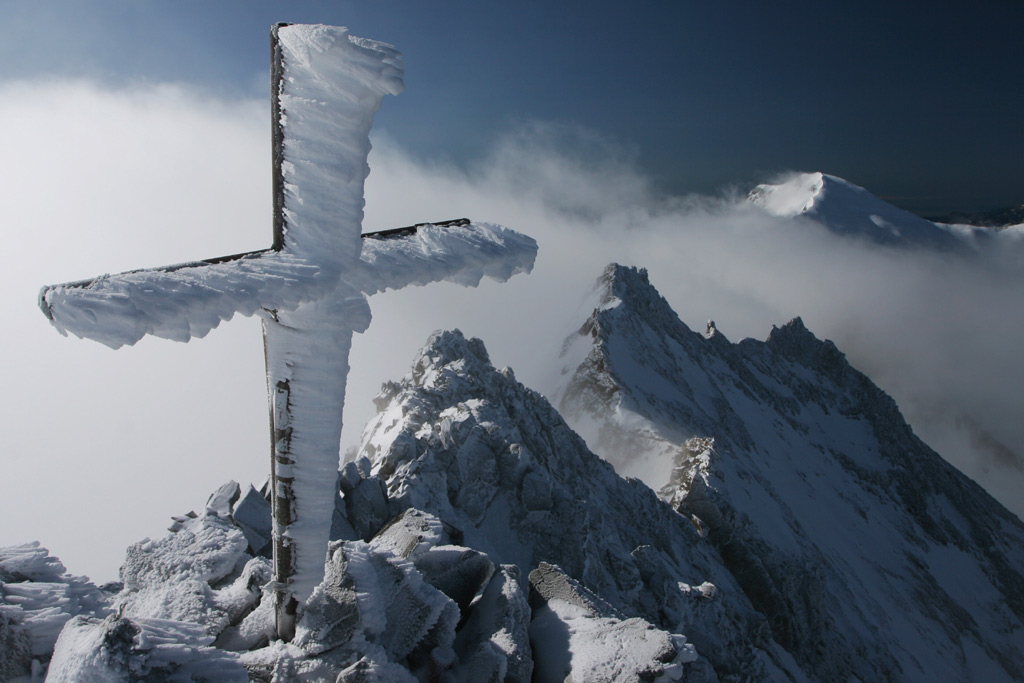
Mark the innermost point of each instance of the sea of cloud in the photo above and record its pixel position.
(101, 180)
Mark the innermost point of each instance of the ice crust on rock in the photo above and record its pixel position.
(495, 640)
(602, 645)
(119, 649)
(199, 574)
(842, 527)
(37, 598)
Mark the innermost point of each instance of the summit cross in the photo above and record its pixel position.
(310, 288)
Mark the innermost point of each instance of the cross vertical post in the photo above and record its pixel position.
(310, 287)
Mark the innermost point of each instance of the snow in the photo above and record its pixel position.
(577, 636)
(463, 254)
(850, 210)
(601, 649)
(178, 303)
(117, 649)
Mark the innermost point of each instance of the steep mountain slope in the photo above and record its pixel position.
(852, 211)
(870, 556)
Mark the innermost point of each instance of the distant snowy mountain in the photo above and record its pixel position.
(998, 219)
(852, 211)
(802, 533)
(846, 531)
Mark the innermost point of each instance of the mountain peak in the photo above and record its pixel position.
(617, 279)
(445, 347)
(796, 341)
(792, 197)
(624, 292)
(628, 288)
(850, 210)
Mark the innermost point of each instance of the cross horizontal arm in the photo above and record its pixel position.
(181, 301)
(188, 300)
(461, 252)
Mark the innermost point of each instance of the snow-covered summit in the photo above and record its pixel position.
(850, 210)
(842, 527)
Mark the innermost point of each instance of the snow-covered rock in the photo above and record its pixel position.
(199, 574)
(469, 444)
(870, 556)
(804, 533)
(37, 598)
(579, 637)
(118, 649)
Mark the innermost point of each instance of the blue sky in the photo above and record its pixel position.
(919, 102)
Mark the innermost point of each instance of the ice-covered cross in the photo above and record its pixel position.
(310, 287)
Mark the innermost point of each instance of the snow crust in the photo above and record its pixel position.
(602, 645)
(116, 649)
(462, 254)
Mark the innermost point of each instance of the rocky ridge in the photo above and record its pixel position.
(869, 555)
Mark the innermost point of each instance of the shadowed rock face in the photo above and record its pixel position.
(845, 530)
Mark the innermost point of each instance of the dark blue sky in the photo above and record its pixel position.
(919, 102)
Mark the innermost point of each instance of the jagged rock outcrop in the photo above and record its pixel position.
(870, 556)
(486, 455)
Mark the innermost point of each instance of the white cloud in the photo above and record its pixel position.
(95, 181)
(103, 180)
(937, 331)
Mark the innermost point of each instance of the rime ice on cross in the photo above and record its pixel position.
(309, 288)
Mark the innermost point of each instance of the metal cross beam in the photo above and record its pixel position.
(310, 287)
